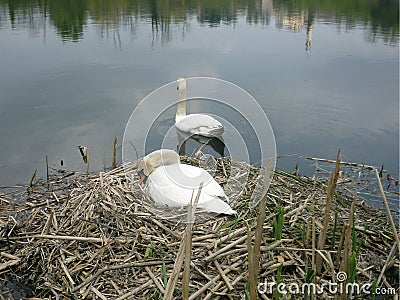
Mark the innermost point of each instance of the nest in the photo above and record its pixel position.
(92, 237)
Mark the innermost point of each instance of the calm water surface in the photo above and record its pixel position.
(72, 72)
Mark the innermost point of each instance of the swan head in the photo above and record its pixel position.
(181, 84)
(150, 162)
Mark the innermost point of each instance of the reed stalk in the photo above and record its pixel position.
(47, 168)
(32, 178)
(329, 199)
(183, 254)
(252, 280)
(114, 161)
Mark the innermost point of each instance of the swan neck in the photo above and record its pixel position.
(181, 110)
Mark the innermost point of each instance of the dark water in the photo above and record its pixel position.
(71, 72)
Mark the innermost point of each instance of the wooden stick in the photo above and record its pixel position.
(8, 264)
(152, 276)
(212, 281)
(70, 238)
(138, 289)
(313, 243)
(260, 221)
(123, 266)
(395, 233)
(222, 240)
(227, 247)
(9, 256)
(342, 162)
(386, 263)
(221, 272)
(66, 271)
(252, 278)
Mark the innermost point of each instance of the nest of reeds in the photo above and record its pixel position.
(91, 237)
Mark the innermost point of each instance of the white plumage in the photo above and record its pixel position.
(199, 124)
(174, 184)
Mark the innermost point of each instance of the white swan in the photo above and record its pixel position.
(199, 124)
(174, 184)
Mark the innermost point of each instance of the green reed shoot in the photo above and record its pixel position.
(104, 158)
(32, 178)
(164, 273)
(373, 289)
(247, 291)
(47, 168)
(233, 223)
(309, 275)
(149, 251)
(278, 222)
(303, 232)
(114, 161)
(278, 295)
(308, 279)
(296, 168)
(88, 164)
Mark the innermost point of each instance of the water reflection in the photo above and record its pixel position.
(190, 144)
(379, 18)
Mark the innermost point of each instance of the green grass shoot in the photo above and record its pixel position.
(47, 168)
(373, 289)
(278, 222)
(278, 295)
(32, 178)
(149, 251)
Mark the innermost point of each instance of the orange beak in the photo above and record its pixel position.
(141, 178)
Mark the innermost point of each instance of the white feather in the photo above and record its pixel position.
(176, 184)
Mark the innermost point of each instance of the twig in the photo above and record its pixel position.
(395, 233)
(386, 263)
(114, 162)
(227, 247)
(221, 272)
(152, 276)
(123, 266)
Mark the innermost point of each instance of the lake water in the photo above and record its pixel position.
(71, 72)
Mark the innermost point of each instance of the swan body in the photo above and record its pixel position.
(174, 184)
(199, 124)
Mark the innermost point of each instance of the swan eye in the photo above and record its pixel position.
(177, 88)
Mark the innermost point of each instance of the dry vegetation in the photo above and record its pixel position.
(91, 237)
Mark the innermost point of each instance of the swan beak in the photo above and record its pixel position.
(141, 179)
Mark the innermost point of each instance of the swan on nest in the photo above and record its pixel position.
(171, 183)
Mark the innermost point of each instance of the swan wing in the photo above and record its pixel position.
(175, 185)
(200, 124)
